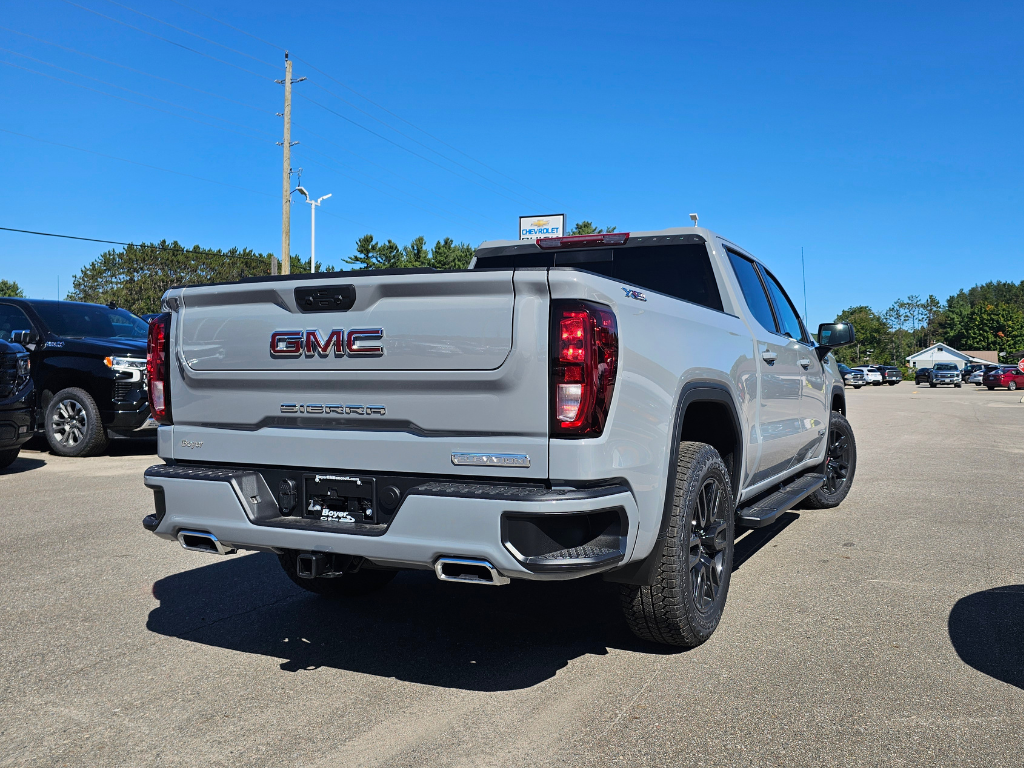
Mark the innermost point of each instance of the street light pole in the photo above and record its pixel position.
(312, 225)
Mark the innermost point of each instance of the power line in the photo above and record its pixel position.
(414, 141)
(406, 149)
(143, 165)
(388, 170)
(166, 40)
(182, 249)
(129, 90)
(200, 37)
(137, 71)
(367, 99)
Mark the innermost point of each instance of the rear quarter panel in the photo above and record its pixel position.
(664, 345)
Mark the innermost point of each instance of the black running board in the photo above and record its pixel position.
(767, 509)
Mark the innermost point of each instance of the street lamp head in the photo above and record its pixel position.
(305, 194)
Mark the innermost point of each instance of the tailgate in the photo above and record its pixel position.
(462, 369)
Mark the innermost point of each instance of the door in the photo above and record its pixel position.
(814, 400)
(781, 423)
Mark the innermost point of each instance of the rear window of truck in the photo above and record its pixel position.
(681, 270)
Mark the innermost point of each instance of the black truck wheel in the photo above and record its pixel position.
(839, 466)
(685, 602)
(73, 426)
(362, 582)
(7, 457)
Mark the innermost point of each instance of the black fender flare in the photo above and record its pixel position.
(642, 572)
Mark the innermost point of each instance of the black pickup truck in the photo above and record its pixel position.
(89, 367)
(16, 400)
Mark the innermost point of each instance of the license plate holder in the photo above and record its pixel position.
(339, 498)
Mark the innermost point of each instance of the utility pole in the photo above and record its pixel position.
(312, 224)
(287, 144)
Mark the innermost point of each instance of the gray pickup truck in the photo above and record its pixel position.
(617, 404)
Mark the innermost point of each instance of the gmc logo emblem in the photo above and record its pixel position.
(355, 343)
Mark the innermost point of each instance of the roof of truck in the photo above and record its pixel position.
(671, 233)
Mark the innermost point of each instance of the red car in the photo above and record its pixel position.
(1007, 376)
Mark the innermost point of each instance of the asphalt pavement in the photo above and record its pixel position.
(886, 632)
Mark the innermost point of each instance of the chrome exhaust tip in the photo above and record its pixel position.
(469, 571)
(201, 541)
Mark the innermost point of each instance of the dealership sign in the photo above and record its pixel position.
(532, 227)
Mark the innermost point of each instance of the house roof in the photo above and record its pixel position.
(989, 355)
(968, 357)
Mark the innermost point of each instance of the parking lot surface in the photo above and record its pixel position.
(889, 631)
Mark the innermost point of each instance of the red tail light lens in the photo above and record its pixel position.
(158, 368)
(584, 361)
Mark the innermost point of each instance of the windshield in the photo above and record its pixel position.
(945, 367)
(75, 320)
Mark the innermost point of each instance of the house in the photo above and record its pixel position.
(943, 353)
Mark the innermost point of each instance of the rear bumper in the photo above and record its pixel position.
(437, 518)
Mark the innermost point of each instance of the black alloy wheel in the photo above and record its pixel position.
(707, 542)
(837, 461)
(838, 467)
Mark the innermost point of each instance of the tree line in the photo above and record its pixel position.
(986, 317)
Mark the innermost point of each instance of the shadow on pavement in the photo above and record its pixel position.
(417, 629)
(987, 632)
(132, 446)
(758, 538)
(22, 464)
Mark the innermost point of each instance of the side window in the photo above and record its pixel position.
(789, 320)
(753, 291)
(682, 270)
(12, 319)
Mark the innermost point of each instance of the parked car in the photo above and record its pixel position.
(945, 373)
(922, 376)
(89, 368)
(474, 423)
(972, 368)
(871, 375)
(148, 317)
(976, 377)
(890, 374)
(852, 377)
(1009, 376)
(17, 396)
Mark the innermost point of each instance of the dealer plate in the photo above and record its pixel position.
(339, 498)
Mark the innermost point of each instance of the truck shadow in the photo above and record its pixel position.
(418, 629)
(987, 632)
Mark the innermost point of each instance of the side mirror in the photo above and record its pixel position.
(833, 335)
(24, 337)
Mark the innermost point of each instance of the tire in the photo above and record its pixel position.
(840, 465)
(858, 386)
(8, 456)
(991, 388)
(958, 385)
(933, 386)
(891, 383)
(362, 582)
(73, 426)
(684, 604)
(1012, 386)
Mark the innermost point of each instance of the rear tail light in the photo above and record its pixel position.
(158, 368)
(579, 241)
(584, 361)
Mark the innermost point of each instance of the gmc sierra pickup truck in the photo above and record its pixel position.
(614, 403)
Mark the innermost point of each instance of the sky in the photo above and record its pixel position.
(883, 139)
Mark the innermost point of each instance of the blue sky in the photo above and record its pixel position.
(884, 138)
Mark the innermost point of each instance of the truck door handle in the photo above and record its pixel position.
(805, 363)
(769, 357)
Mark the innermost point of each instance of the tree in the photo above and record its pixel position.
(446, 254)
(873, 333)
(11, 289)
(587, 228)
(136, 276)
(986, 326)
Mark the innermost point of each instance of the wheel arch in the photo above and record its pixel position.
(705, 412)
(838, 400)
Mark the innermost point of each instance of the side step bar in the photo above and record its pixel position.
(767, 509)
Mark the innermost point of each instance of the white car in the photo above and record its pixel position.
(976, 377)
(871, 375)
